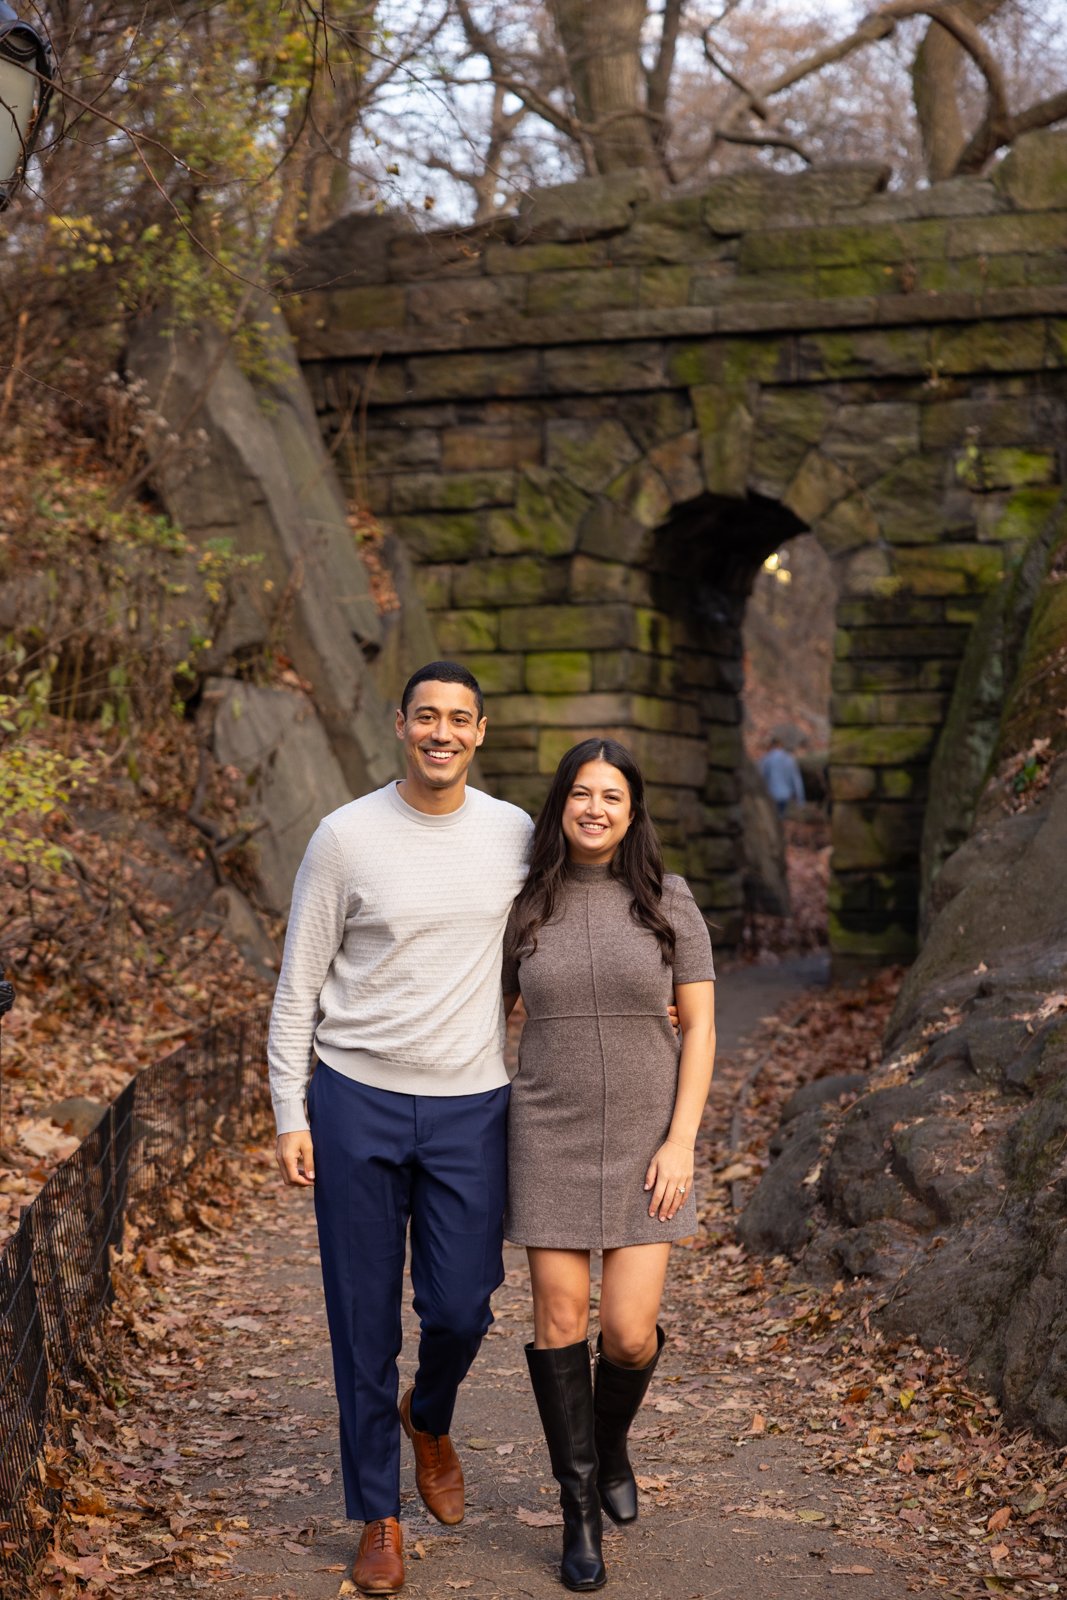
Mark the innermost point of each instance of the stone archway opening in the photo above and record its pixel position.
(788, 647)
(702, 567)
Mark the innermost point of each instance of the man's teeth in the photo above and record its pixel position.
(439, 755)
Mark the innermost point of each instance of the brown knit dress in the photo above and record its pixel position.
(598, 1066)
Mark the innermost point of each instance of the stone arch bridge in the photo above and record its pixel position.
(590, 423)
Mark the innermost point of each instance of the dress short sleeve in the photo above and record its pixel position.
(509, 972)
(693, 962)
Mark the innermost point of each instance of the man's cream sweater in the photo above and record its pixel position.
(391, 972)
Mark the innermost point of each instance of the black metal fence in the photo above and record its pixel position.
(55, 1272)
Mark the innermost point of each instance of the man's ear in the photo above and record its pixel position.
(400, 722)
(481, 732)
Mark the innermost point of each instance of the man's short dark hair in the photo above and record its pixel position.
(443, 672)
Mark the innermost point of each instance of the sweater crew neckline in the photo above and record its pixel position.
(589, 871)
(425, 819)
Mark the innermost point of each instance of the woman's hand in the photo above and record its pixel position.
(670, 1178)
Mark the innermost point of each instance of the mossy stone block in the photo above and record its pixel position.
(666, 715)
(474, 375)
(460, 632)
(726, 426)
(913, 504)
(864, 353)
(589, 452)
(508, 581)
(946, 569)
(818, 486)
(608, 580)
(561, 672)
(724, 747)
(848, 245)
(634, 671)
(663, 286)
(1017, 518)
(875, 835)
(554, 294)
(849, 525)
(373, 306)
(611, 533)
(884, 745)
(545, 519)
(852, 783)
(451, 491)
(881, 946)
(1010, 234)
(889, 643)
(526, 792)
(595, 627)
(678, 462)
(552, 256)
(1008, 346)
(1004, 467)
(492, 446)
(496, 673)
(540, 711)
(440, 536)
(641, 494)
(605, 368)
(433, 585)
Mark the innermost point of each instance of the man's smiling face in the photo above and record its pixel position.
(441, 730)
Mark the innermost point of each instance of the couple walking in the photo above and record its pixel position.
(395, 989)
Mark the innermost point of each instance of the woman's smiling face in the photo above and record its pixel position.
(597, 813)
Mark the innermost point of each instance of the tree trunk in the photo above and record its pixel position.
(601, 40)
(935, 80)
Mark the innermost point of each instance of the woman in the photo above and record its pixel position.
(603, 1118)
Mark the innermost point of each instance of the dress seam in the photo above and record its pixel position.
(603, 1065)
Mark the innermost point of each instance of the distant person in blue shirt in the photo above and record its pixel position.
(781, 774)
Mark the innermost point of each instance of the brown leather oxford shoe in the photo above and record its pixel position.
(379, 1564)
(438, 1474)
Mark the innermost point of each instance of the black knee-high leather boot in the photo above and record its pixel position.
(618, 1393)
(563, 1389)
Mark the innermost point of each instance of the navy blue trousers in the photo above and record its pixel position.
(380, 1160)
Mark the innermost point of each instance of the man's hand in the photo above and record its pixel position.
(296, 1159)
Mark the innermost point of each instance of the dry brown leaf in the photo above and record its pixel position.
(539, 1519)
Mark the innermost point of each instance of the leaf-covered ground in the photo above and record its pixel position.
(785, 1449)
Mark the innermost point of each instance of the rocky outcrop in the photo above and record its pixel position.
(267, 486)
(944, 1174)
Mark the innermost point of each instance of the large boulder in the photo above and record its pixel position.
(274, 738)
(947, 1176)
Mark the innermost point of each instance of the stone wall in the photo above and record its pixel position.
(590, 423)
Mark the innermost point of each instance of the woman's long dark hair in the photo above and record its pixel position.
(637, 862)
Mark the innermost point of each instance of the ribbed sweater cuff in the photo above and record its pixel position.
(290, 1116)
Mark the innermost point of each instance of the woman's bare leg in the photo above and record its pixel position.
(560, 1283)
(630, 1295)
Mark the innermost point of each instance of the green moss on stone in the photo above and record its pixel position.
(589, 452)
(880, 746)
(561, 672)
(1018, 518)
(508, 581)
(437, 536)
(663, 286)
(945, 569)
(451, 491)
(553, 294)
(459, 632)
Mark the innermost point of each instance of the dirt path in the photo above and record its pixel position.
(239, 1423)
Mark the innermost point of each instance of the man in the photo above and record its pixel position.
(780, 771)
(391, 979)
